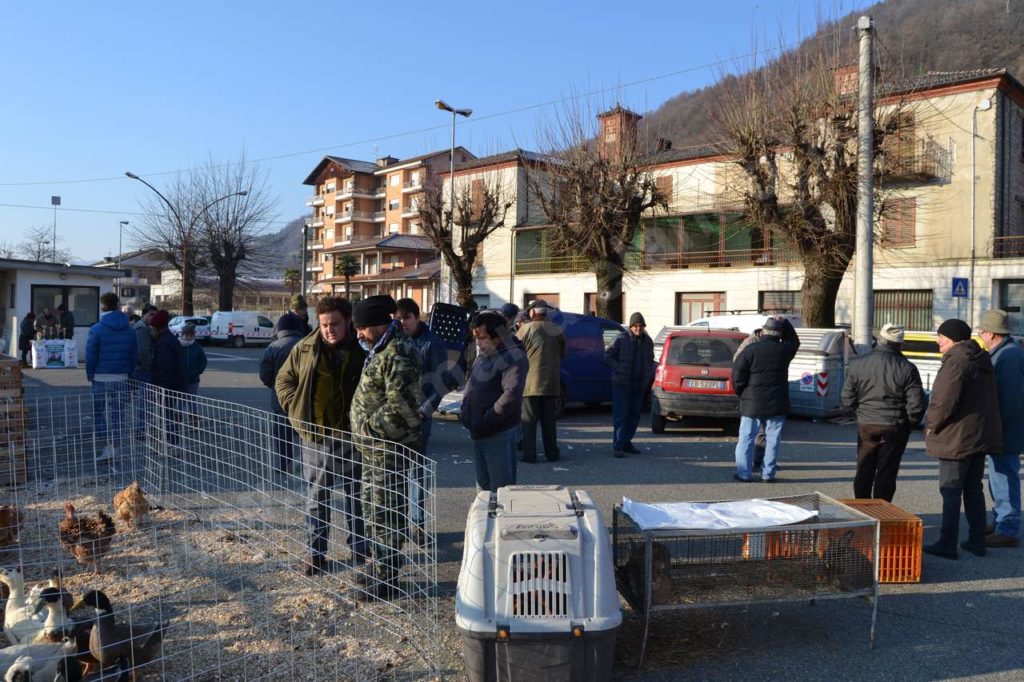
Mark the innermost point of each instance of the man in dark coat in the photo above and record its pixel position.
(67, 321)
(884, 389)
(1004, 467)
(962, 425)
(492, 402)
(298, 311)
(631, 357)
(760, 377)
(289, 333)
(167, 372)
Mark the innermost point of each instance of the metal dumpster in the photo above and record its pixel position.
(817, 372)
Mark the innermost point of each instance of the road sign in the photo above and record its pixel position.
(961, 287)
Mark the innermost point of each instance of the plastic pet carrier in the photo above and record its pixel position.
(536, 596)
(451, 324)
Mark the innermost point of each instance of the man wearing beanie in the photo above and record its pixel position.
(289, 332)
(631, 357)
(884, 389)
(1004, 467)
(760, 377)
(315, 387)
(962, 425)
(298, 312)
(385, 408)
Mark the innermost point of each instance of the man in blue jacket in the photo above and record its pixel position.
(631, 357)
(493, 400)
(1004, 468)
(434, 381)
(110, 354)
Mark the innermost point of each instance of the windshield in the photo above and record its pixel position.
(177, 319)
(702, 350)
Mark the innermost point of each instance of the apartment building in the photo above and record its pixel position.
(364, 235)
(954, 209)
(142, 270)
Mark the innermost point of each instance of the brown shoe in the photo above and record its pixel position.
(999, 540)
(990, 528)
(312, 566)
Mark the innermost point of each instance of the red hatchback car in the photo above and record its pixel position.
(694, 377)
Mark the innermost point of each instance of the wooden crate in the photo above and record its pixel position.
(12, 422)
(902, 535)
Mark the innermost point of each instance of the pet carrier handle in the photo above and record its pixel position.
(492, 505)
(576, 505)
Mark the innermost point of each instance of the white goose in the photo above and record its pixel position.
(21, 621)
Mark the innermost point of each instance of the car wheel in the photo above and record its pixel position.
(238, 341)
(657, 423)
(731, 428)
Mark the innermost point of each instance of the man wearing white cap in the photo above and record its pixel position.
(884, 389)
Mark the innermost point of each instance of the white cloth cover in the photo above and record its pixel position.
(714, 516)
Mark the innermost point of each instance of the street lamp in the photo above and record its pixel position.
(983, 105)
(120, 238)
(465, 113)
(186, 305)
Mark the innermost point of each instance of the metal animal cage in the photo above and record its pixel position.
(216, 562)
(830, 556)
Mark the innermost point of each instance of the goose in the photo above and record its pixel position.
(111, 643)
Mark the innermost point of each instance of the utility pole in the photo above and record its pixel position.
(863, 307)
(302, 272)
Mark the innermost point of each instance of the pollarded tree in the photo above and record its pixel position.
(596, 195)
(481, 206)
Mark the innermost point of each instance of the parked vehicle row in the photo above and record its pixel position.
(200, 322)
(239, 327)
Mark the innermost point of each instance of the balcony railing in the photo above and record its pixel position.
(316, 244)
(346, 192)
(1008, 247)
(379, 215)
(380, 190)
(765, 257)
(315, 200)
(412, 184)
(319, 222)
(346, 216)
(314, 267)
(410, 211)
(923, 160)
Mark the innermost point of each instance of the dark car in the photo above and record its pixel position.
(584, 376)
(694, 377)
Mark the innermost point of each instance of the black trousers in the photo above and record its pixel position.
(961, 478)
(537, 408)
(879, 452)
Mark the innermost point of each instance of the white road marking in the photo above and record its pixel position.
(222, 356)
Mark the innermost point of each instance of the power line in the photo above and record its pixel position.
(419, 131)
(137, 214)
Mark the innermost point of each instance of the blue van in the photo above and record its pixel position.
(585, 377)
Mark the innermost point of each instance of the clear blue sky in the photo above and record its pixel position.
(91, 89)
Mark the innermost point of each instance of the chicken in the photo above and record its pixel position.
(131, 505)
(87, 538)
(10, 523)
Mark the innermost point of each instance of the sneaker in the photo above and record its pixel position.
(999, 540)
(105, 455)
(632, 449)
(976, 550)
(935, 549)
(737, 477)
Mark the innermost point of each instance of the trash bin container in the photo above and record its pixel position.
(536, 597)
(817, 372)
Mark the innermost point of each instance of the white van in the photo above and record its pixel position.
(239, 327)
(742, 323)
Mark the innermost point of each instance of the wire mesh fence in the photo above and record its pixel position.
(242, 553)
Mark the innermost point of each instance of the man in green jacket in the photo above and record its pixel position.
(315, 387)
(386, 423)
(544, 343)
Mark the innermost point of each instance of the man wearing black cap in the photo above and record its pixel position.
(631, 357)
(962, 425)
(315, 387)
(385, 408)
(289, 333)
(298, 310)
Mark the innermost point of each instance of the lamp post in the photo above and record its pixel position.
(983, 105)
(186, 305)
(465, 113)
(55, 202)
(120, 239)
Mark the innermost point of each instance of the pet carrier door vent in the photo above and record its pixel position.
(539, 585)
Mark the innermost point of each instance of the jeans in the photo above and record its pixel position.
(144, 395)
(493, 458)
(749, 427)
(108, 400)
(1004, 487)
(961, 478)
(418, 481)
(879, 453)
(283, 436)
(626, 404)
(322, 464)
(539, 408)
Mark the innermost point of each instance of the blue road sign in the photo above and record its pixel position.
(961, 287)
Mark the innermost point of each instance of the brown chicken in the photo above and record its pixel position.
(10, 524)
(87, 538)
(131, 505)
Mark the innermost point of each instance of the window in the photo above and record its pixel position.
(553, 300)
(414, 178)
(348, 185)
(393, 228)
(910, 308)
(126, 292)
(395, 179)
(778, 302)
(393, 204)
(590, 303)
(83, 302)
(609, 334)
(264, 322)
(898, 221)
(693, 306)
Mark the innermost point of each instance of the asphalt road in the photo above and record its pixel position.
(963, 621)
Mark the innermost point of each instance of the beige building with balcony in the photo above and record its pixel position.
(366, 215)
(953, 208)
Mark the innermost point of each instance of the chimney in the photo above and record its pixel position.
(664, 145)
(385, 161)
(617, 126)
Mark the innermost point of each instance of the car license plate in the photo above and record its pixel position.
(705, 383)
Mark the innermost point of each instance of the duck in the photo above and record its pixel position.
(111, 643)
(48, 661)
(58, 624)
(21, 621)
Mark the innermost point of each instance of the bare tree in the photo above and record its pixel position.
(595, 196)
(8, 249)
(229, 229)
(37, 245)
(480, 208)
(792, 131)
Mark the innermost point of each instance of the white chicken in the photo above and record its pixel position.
(21, 622)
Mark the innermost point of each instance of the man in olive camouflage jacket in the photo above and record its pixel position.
(385, 408)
